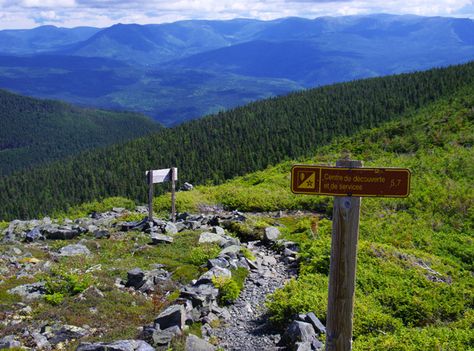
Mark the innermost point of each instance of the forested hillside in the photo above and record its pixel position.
(37, 131)
(228, 144)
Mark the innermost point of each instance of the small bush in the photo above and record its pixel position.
(54, 298)
(131, 217)
(200, 254)
(247, 253)
(239, 275)
(228, 290)
(61, 284)
(3, 225)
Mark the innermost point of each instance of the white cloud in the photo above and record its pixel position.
(48, 3)
(101, 13)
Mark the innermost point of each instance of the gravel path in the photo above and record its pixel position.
(249, 328)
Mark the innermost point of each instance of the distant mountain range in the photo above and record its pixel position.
(177, 71)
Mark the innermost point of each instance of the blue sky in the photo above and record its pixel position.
(102, 13)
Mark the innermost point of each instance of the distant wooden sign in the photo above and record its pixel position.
(339, 181)
(160, 176)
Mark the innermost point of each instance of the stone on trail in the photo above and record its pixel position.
(230, 250)
(303, 346)
(135, 278)
(271, 234)
(163, 337)
(74, 250)
(157, 238)
(41, 341)
(170, 228)
(9, 342)
(59, 333)
(187, 186)
(218, 230)
(136, 225)
(316, 323)
(208, 237)
(201, 295)
(121, 345)
(193, 343)
(217, 262)
(298, 331)
(33, 235)
(54, 232)
(29, 291)
(173, 315)
(215, 272)
(101, 234)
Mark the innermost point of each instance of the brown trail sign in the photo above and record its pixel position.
(343, 181)
(347, 182)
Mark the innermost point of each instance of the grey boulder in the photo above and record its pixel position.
(298, 332)
(271, 234)
(157, 238)
(316, 323)
(29, 291)
(163, 337)
(61, 233)
(170, 228)
(74, 250)
(174, 315)
(121, 345)
(9, 342)
(193, 343)
(135, 278)
(33, 235)
(208, 237)
(214, 272)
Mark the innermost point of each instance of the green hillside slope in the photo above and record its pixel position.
(36, 131)
(414, 289)
(228, 144)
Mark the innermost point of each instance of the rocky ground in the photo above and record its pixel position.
(34, 251)
(248, 327)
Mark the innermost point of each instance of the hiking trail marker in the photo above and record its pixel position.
(347, 182)
(161, 176)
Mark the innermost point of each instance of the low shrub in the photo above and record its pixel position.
(61, 284)
(200, 254)
(228, 290)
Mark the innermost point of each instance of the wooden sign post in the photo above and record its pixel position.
(342, 270)
(347, 182)
(161, 176)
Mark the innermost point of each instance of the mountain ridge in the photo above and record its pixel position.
(248, 60)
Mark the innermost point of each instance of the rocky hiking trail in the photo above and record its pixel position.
(248, 327)
(242, 325)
